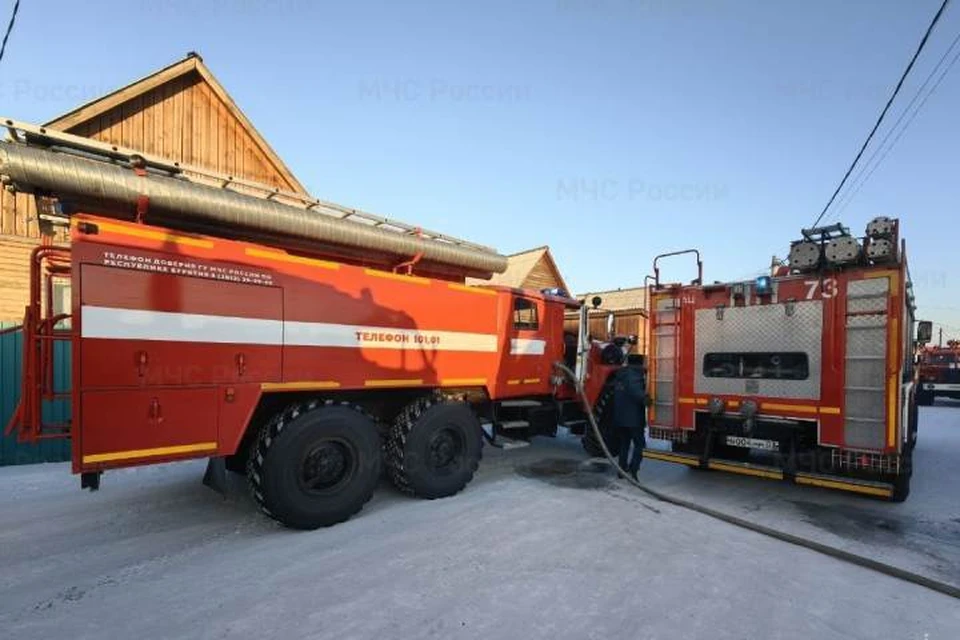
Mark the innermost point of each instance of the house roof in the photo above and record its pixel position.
(521, 265)
(620, 299)
(192, 63)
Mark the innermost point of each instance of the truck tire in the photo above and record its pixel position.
(901, 483)
(433, 448)
(913, 423)
(600, 412)
(315, 464)
(901, 489)
(591, 445)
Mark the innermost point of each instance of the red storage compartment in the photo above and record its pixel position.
(129, 427)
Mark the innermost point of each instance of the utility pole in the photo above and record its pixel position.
(940, 340)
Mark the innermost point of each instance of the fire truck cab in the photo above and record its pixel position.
(805, 375)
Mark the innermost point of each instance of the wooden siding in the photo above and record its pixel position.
(625, 323)
(632, 299)
(18, 216)
(542, 276)
(185, 120)
(14, 276)
(532, 269)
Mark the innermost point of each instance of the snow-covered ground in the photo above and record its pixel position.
(921, 534)
(536, 547)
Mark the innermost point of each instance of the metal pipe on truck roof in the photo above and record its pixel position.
(179, 202)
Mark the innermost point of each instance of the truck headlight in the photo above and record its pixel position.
(717, 406)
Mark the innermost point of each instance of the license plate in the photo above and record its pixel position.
(753, 443)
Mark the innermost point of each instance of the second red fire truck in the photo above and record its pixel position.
(939, 373)
(806, 375)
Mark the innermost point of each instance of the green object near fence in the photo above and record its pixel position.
(11, 353)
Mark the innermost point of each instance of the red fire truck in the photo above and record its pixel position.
(302, 343)
(804, 375)
(939, 373)
(310, 346)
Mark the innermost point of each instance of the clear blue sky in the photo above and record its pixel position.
(611, 130)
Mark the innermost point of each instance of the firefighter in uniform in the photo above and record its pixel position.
(630, 415)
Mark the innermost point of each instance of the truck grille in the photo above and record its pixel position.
(854, 461)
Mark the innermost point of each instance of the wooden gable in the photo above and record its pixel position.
(532, 269)
(544, 274)
(180, 112)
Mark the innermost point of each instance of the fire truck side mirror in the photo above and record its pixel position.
(924, 331)
(596, 302)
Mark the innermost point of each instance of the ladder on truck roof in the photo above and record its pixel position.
(54, 140)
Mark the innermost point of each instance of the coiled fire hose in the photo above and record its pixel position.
(833, 552)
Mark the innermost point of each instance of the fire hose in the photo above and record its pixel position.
(824, 549)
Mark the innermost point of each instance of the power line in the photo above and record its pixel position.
(903, 130)
(6, 36)
(864, 174)
(896, 90)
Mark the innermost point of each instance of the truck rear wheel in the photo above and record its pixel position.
(433, 448)
(901, 488)
(315, 464)
(901, 484)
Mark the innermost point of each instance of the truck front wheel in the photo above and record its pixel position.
(602, 415)
(315, 464)
(433, 448)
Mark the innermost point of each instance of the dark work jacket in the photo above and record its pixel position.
(629, 398)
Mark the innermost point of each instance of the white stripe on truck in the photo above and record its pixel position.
(137, 324)
(322, 334)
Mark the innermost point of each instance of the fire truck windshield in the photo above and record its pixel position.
(767, 365)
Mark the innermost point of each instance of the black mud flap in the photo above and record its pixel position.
(90, 480)
(215, 476)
